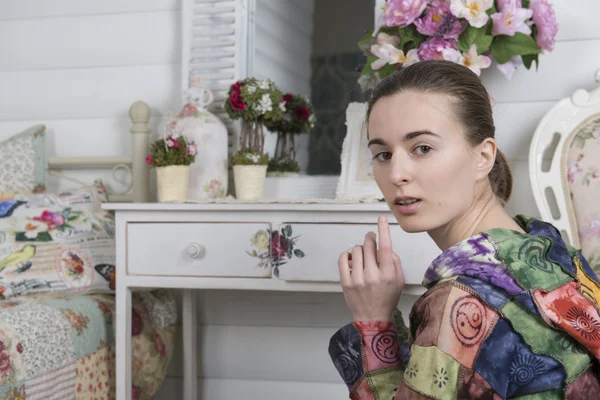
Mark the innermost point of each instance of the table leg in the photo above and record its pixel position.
(123, 342)
(190, 339)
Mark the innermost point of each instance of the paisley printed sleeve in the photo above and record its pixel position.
(370, 356)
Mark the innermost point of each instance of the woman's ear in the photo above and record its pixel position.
(486, 154)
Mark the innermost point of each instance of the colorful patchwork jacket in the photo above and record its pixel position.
(506, 316)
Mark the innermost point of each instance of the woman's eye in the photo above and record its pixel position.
(383, 156)
(422, 150)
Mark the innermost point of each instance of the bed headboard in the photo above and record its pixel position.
(138, 190)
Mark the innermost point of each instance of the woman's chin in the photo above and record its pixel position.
(411, 224)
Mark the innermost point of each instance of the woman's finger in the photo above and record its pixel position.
(384, 255)
(357, 265)
(344, 268)
(370, 250)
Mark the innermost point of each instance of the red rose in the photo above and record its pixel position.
(19, 347)
(278, 246)
(288, 97)
(236, 102)
(237, 87)
(301, 112)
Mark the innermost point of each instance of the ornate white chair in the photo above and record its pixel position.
(564, 169)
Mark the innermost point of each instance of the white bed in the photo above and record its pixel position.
(57, 281)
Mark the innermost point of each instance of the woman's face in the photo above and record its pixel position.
(422, 162)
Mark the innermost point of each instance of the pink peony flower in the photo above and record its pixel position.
(149, 160)
(511, 20)
(501, 4)
(438, 21)
(545, 21)
(51, 219)
(403, 12)
(437, 49)
(192, 150)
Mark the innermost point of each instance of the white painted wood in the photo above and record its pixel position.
(55, 46)
(515, 123)
(576, 19)
(123, 318)
(194, 249)
(216, 40)
(139, 112)
(322, 245)
(563, 119)
(265, 389)
(23, 9)
(190, 340)
(556, 78)
(521, 201)
(87, 93)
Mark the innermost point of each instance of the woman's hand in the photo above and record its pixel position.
(372, 278)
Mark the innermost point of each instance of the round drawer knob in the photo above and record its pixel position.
(195, 250)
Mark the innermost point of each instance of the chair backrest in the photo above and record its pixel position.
(564, 163)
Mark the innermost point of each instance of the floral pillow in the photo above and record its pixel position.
(57, 242)
(23, 162)
(583, 177)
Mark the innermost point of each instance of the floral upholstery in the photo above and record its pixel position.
(583, 177)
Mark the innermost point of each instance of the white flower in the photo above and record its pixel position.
(264, 85)
(473, 61)
(473, 11)
(411, 57)
(282, 106)
(311, 119)
(509, 67)
(170, 143)
(191, 150)
(251, 89)
(265, 104)
(386, 51)
(30, 227)
(368, 82)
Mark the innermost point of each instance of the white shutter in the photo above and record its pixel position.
(216, 39)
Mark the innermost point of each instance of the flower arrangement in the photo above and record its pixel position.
(172, 149)
(470, 32)
(298, 118)
(256, 102)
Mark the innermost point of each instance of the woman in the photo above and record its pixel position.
(511, 311)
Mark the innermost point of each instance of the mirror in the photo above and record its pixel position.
(309, 47)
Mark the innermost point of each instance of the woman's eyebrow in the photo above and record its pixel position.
(406, 138)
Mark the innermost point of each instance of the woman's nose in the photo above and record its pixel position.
(400, 171)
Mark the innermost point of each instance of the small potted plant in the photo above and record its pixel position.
(298, 118)
(249, 171)
(255, 102)
(172, 156)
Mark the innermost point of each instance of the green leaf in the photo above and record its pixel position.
(528, 59)
(386, 70)
(475, 36)
(367, 69)
(41, 237)
(410, 38)
(298, 253)
(366, 41)
(287, 231)
(525, 3)
(505, 47)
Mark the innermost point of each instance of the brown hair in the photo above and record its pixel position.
(473, 108)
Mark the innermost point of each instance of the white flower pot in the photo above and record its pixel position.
(249, 181)
(173, 183)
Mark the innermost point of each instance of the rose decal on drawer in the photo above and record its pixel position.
(274, 248)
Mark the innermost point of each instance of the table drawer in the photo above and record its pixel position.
(319, 247)
(198, 249)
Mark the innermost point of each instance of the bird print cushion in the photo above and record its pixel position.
(56, 242)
